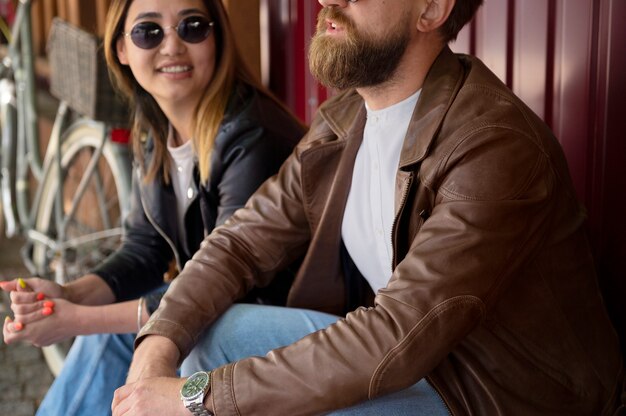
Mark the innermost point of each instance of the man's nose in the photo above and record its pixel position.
(336, 3)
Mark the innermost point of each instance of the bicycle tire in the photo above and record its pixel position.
(114, 169)
(8, 156)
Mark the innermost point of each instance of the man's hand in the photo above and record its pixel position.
(156, 356)
(152, 396)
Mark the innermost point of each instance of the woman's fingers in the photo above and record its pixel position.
(22, 286)
(11, 330)
(15, 285)
(26, 308)
(43, 287)
(23, 297)
(27, 314)
(8, 286)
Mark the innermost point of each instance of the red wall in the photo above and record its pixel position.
(565, 58)
(291, 25)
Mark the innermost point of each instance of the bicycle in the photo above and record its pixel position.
(72, 219)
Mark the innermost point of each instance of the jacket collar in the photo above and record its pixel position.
(440, 87)
(341, 115)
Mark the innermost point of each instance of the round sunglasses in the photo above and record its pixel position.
(149, 35)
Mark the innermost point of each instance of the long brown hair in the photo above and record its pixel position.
(148, 117)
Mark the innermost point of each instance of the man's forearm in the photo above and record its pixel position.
(156, 356)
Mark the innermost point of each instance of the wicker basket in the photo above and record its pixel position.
(79, 74)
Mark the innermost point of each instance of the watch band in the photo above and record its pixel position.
(198, 409)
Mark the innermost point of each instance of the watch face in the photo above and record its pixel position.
(194, 385)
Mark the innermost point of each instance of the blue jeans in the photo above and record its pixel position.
(248, 330)
(95, 366)
(98, 364)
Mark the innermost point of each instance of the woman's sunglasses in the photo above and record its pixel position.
(149, 35)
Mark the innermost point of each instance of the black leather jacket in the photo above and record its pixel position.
(255, 137)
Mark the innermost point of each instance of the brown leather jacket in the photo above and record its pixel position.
(493, 296)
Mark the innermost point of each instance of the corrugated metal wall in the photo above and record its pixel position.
(567, 60)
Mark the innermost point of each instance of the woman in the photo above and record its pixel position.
(205, 136)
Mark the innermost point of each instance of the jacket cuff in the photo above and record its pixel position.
(222, 395)
(173, 331)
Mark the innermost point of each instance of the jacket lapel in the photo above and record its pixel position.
(160, 204)
(438, 92)
(327, 176)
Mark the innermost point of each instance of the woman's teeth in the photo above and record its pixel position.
(175, 69)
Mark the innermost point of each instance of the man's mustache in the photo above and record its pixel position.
(332, 13)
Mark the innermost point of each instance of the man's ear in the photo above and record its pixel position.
(120, 46)
(435, 14)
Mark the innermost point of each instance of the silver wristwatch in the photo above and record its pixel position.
(194, 391)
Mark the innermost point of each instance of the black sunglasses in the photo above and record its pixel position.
(149, 35)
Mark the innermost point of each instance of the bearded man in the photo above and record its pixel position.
(445, 268)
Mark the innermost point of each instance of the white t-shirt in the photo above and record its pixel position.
(369, 214)
(181, 174)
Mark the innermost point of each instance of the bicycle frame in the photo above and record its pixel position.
(20, 135)
(83, 162)
(20, 149)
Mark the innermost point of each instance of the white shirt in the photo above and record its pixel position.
(370, 212)
(181, 174)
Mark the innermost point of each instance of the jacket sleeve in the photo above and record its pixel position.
(437, 294)
(243, 164)
(275, 204)
(138, 265)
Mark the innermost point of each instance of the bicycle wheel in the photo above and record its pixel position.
(8, 138)
(91, 223)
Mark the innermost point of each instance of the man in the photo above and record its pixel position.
(430, 179)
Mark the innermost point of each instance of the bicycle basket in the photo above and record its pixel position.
(78, 74)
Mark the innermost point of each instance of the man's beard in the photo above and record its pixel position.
(356, 61)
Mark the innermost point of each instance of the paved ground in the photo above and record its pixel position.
(24, 375)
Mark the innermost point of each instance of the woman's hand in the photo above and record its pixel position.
(35, 325)
(30, 302)
(33, 287)
(154, 396)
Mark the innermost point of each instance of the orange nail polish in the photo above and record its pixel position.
(18, 326)
(48, 304)
(47, 311)
(40, 296)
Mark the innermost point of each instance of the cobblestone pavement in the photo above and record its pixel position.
(24, 375)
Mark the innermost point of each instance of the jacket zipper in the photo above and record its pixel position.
(394, 233)
(159, 229)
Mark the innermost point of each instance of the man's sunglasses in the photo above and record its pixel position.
(149, 35)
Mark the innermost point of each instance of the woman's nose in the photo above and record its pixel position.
(172, 44)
